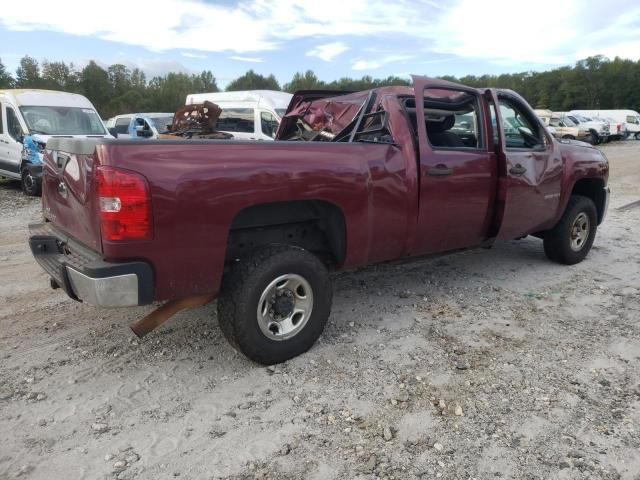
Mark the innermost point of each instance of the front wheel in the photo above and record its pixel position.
(30, 184)
(571, 239)
(274, 304)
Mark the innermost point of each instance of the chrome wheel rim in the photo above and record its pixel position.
(285, 307)
(580, 232)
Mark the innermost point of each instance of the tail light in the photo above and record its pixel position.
(124, 205)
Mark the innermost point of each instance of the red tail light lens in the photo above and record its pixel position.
(124, 204)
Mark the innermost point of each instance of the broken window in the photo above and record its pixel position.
(345, 118)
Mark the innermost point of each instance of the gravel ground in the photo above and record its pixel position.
(483, 364)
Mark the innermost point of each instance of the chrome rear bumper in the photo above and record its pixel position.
(84, 276)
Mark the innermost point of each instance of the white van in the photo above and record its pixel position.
(247, 115)
(629, 117)
(29, 118)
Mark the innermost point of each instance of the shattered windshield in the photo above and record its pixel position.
(62, 120)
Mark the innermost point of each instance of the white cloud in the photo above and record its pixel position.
(328, 51)
(193, 55)
(154, 68)
(498, 31)
(378, 62)
(247, 59)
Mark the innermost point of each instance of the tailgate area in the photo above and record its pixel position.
(82, 273)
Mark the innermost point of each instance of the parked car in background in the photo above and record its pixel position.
(29, 118)
(627, 121)
(565, 127)
(119, 125)
(247, 115)
(352, 180)
(139, 125)
(149, 125)
(599, 128)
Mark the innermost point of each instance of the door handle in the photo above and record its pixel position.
(439, 170)
(517, 170)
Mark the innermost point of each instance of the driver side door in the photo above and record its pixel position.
(530, 168)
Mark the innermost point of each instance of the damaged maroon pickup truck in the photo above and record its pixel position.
(352, 180)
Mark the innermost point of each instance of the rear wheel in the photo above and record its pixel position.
(637, 136)
(274, 304)
(568, 137)
(30, 184)
(571, 239)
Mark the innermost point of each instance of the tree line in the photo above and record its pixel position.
(593, 83)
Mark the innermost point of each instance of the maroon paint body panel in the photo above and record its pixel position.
(197, 190)
(393, 205)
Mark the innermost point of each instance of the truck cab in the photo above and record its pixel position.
(29, 118)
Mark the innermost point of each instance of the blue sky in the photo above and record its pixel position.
(334, 38)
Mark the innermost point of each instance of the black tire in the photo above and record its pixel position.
(240, 294)
(637, 136)
(558, 240)
(568, 137)
(30, 185)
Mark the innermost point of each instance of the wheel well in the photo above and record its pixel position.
(592, 188)
(314, 225)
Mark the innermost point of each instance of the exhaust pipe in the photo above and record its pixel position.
(165, 312)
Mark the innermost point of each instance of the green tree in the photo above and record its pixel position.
(253, 81)
(95, 85)
(167, 93)
(28, 73)
(304, 81)
(138, 79)
(119, 78)
(204, 83)
(6, 80)
(59, 76)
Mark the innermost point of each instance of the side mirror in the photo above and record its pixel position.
(20, 138)
(113, 132)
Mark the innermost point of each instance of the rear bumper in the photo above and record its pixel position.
(84, 276)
